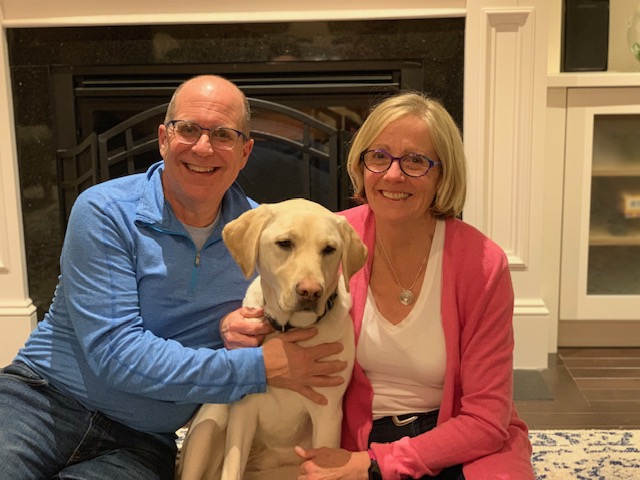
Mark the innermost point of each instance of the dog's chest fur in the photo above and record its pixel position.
(285, 417)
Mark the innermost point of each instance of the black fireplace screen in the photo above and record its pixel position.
(295, 155)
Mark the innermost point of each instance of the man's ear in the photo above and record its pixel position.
(163, 140)
(246, 151)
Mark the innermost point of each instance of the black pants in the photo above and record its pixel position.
(385, 430)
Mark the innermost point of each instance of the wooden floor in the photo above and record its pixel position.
(591, 388)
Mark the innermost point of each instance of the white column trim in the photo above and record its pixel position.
(508, 50)
(17, 312)
(503, 134)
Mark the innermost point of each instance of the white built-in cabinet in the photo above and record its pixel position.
(600, 252)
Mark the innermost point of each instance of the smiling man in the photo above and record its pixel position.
(204, 143)
(131, 345)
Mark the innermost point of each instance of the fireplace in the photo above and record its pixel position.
(72, 83)
(303, 116)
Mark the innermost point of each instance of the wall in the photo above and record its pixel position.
(505, 88)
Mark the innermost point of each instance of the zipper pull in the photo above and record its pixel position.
(197, 262)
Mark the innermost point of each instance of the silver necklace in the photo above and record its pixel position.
(406, 295)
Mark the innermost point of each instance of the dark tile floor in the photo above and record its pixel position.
(591, 388)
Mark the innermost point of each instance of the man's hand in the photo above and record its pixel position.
(244, 328)
(297, 368)
(332, 463)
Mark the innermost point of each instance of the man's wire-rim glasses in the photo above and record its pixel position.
(412, 165)
(221, 138)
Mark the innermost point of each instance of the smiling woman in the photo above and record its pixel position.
(450, 414)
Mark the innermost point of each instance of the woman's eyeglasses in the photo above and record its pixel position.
(412, 165)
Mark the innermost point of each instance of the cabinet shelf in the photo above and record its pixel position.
(600, 236)
(594, 79)
(612, 170)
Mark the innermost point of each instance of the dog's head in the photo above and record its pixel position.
(297, 246)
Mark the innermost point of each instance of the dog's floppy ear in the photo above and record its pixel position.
(242, 237)
(354, 253)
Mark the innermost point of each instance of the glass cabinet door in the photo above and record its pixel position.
(614, 221)
(600, 271)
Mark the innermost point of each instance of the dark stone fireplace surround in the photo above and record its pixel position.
(174, 52)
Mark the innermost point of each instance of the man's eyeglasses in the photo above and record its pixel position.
(412, 165)
(221, 138)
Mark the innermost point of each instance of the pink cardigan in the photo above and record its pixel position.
(478, 425)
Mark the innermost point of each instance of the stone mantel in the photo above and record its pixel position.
(504, 116)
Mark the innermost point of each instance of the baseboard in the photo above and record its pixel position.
(598, 333)
(531, 324)
(17, 321)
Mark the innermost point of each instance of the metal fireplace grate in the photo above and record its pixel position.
(305, 162)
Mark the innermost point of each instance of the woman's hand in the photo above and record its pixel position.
(244, 328)
(333, 464)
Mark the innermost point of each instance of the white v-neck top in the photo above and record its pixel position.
(406, 362)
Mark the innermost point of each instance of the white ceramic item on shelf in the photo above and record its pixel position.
(633, 33)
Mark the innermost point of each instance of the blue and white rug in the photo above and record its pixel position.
(586, 454)
(576, 454)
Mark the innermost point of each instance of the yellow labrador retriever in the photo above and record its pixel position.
(297, 246)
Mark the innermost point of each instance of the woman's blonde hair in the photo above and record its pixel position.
(446, 139)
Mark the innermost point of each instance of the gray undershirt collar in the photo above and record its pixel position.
(199, 235)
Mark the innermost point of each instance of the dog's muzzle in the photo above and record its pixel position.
(287, 326)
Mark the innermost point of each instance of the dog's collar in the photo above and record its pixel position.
(287, 326)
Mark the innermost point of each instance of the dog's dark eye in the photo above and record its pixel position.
(285, 244)
(328, 250)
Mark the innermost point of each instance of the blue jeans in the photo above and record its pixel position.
(385, 430)
(47, 435)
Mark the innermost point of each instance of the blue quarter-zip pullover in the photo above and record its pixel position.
(133, 328)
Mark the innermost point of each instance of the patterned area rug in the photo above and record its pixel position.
(577, 454)
(586, 454)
